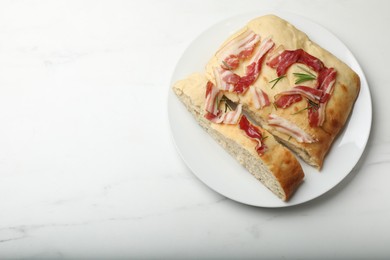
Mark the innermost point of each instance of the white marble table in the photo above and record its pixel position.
(83, 96)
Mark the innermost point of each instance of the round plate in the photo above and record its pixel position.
(218, 170)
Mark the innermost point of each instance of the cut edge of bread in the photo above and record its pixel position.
(254, 164)
(297, 150)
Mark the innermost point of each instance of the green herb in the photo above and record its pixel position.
(275, 106)
(227, 65)
(227, 105)
(275, 81)
(310, 104)
(289, 138)
(217, 102)
(303, 77)
(313, 104)
(299, 111)
(264, 137)
(307, 71)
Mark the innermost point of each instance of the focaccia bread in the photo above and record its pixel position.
(298, 91)
(253, 147)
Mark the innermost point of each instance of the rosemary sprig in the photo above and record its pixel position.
(275, 81)
(299, 111)
(313, 104)
(275, 106)
(227, 65)
(310, 104)
(307, 71)
(303, 77)
(227, 105)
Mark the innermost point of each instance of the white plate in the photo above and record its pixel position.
(218, 170)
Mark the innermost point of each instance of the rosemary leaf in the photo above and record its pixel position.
(307, 71)
(313, 104)
(227, 105)
(276, 80)
(299, 111)
(275, 106)
(310, 104)
(227, 65)
(302, 77)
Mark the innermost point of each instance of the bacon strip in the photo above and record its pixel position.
(230, 117)
(254, 68)
(260, 98)
(316, 115)
(287, 100)
(284, 126)
(229, 81)
(240, 47)
(264, 47)
(325, 83)
(254, 133)
(225, 79)
(231, 62)
(276, 53)
(307, 92)
(282, 62)
(211, 103)
(252, 71)
(326, 80)
(311, 61)
(287, 58)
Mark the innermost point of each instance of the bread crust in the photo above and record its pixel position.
(338, 108)
(277, 169)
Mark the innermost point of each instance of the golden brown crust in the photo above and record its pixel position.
(284, 166)
(337, 110)
(279, 161)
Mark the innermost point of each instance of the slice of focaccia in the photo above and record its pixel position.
(298, 91)
(253, 147)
